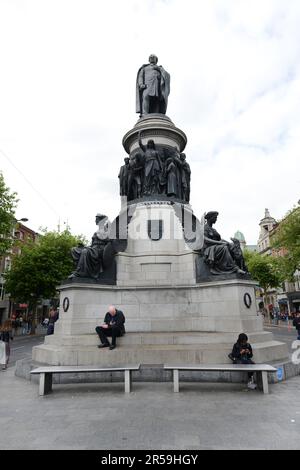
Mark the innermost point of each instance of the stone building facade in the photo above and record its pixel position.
(21, 234)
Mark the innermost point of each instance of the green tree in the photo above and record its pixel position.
(287, 238)
(8, 203)
(40, 268)
(266, 270)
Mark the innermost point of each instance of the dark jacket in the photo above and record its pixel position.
(236, 351)
(296, 323)
(6, 336)
(118, 320)
(52, 320)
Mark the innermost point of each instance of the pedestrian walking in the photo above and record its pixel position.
(29, 326)
(296, 324)
(20, 323)
(53, 317)
(5, 337)
(25, 326)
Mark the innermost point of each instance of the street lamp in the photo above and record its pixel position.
(24, 219)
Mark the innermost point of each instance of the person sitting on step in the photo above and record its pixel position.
(113, 327)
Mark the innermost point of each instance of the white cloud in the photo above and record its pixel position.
(67, 84)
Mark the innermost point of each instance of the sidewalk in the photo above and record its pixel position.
(39, 331)
(101, 416)
(283, 325)
(36, 335)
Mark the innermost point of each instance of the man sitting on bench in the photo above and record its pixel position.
(113, 326)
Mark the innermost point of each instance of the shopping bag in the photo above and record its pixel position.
(2, 353)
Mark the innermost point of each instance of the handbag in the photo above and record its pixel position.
(233, 359)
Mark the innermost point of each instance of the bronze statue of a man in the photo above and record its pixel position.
(124, 177)
(152, 88)
(185, 178)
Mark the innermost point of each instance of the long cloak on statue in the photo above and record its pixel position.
(164, 88)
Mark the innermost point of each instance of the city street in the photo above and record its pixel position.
(21, 347)
(281, 333)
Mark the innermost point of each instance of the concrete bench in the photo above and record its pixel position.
(261, 369)
(46, 373)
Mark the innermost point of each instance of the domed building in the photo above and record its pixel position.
(241, 237)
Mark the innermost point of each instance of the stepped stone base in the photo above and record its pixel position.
(188, 325)
(160, 348)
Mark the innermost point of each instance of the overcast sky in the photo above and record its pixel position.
(67, 97)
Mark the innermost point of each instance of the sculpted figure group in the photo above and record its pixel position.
(155, 171)
(221, 257)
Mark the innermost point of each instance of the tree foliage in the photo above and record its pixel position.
(265, 270)
(8, 203)
(41, 266)
(287, 237)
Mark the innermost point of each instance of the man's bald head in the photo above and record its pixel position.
(112, 309)
(153, 59)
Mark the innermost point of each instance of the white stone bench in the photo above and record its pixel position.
(262, 369)
(46, 373)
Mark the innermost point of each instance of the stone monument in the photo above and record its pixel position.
(186, 293)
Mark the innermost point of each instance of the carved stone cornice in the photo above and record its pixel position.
(155, 126)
